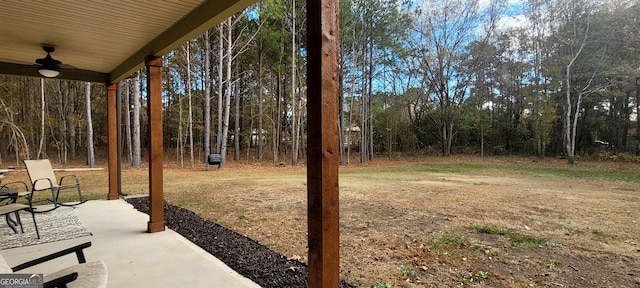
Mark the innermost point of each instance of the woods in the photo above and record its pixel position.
(540, 77)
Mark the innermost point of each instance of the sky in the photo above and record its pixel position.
(514, 15)
(512, 18)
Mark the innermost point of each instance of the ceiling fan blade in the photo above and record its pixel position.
(48, 61)
(67, 66)
(7, 60)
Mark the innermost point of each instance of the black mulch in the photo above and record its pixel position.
(254, 261)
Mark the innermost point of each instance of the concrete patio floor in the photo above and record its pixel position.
(133, 257)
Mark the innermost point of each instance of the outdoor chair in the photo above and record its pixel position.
(85, 275)
(15, 208)
(43, 179)
(14, 190)
(11, 195)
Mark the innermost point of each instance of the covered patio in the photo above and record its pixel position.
(107, 41)
(125, 249)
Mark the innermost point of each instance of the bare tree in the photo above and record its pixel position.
(91, 161)
(190, 108)
(180, 144)
(207, 95)
(446, 27)
(580, 70)
(294, 138)
(126, 95)
(61, 143)
(236, 131)
(543, 113)
(234, 47)
(135, 141)
(260, 88)
(227, 94)
(42, 109)
(221, 58)
(16, 136)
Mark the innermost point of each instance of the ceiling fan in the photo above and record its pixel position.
(47, 66)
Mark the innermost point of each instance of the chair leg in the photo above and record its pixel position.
(79, 193)
(54, 197)
(80, 199)
(10, 222)
(33, 215)
(19, 221)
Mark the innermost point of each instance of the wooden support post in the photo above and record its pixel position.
(112, 128)
(323, 151)
(154, 146)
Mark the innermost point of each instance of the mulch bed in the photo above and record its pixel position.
(244, 255)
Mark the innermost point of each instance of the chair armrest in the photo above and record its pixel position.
(15, 183)
(13, 190)
(33, 185)
(76, 249)
(62, 281)
(68, 176)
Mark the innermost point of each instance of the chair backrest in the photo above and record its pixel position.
(40, 169)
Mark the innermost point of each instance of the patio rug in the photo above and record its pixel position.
(56, 225)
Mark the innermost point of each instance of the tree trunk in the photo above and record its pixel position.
(227, 97)
(42, 109)
(569, 134)
(363, 115)
(135, 141)
(299, 145)
(207, 96)
(370, 104)
(350, 125)
(638, 116)
(91, 161)
(445, 130)
(294, 138)
(250, 132)
(363, 89)
(180, 144)
(341, 103)
(277, 135)
(450, 138)
(236, 130)
(127, 119)
(575, 129)
(567, 116)
(190, 116)
(73, 136)
(220, 83)
(62, 123)
(481, 140)
(260, 108)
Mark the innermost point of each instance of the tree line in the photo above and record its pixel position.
(435, 77)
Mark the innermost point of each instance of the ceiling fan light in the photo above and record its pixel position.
(49, 73)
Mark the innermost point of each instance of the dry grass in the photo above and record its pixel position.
(415, 223)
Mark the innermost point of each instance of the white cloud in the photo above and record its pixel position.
(512, 22)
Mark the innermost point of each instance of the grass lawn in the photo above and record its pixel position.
(433, 222)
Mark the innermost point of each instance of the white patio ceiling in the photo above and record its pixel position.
(104, 40)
